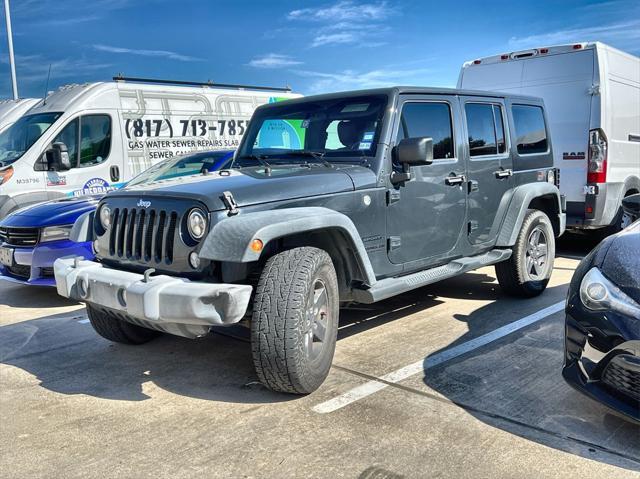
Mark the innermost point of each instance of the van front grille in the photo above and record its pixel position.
(143, 235)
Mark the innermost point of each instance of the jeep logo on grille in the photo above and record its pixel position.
(144, 204)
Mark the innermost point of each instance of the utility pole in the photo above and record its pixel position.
(12, 60)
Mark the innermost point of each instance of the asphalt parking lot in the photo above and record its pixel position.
(451, 380)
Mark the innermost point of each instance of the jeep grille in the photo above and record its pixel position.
(143, 235)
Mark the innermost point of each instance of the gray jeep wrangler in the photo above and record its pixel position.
(331, 199)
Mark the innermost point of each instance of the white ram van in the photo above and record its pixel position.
(592, 95)
(12, 110)
(91, 138)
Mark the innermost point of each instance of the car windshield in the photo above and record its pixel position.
(192, 164)
(340, 129)
(19, 137)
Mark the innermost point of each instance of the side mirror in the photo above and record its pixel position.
(631, 205)
(411, 152)
(58, 157)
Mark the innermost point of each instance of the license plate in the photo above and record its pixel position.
(6, 256)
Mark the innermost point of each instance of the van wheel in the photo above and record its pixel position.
(110, 327)
(294, 325)
(527, 272)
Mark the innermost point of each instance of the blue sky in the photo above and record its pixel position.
(313, 46)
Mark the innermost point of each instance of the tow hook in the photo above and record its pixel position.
(147, 275)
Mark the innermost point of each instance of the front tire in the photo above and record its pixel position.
(294, 326)
(110, 327)
(526, 274)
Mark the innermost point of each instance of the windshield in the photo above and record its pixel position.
(193, 164)
(19, 137)
(341, 129)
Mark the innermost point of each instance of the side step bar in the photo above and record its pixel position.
(386, 288)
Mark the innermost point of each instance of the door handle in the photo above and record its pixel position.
(114, 172)
(454, 180)
(503, 173)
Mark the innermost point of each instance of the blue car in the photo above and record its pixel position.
(31, 239)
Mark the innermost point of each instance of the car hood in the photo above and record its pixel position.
(51, 213)
(621, 264)
(250, 186)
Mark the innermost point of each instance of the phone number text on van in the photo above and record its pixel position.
(139, 128)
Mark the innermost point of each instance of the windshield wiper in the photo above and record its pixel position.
(258, 158)
(316, 155)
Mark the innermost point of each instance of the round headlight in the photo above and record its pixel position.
(105, 216)
(197, 223)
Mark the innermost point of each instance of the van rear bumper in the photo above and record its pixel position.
(597, 210)
(167, 303)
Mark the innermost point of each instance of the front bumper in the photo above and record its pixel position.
(34, 266)
(603, 363)
(166, 303)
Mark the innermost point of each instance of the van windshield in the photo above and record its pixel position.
(337, 129)
(192, 164)
(19, 137)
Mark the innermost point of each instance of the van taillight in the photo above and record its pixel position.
(597, 170)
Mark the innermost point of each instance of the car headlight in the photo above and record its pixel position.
(197, 223)
(105, 216)
(599, 294)
(55, 233)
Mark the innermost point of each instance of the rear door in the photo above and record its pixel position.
(426, 214)
(490, 167)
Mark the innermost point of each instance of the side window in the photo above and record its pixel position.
(95, 139)
(69, 136)
(431, 120)
(531, 135)
(481, 129)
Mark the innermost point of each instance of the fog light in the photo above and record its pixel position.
(256, 245)
(194, 260)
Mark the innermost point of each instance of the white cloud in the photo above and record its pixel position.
(352, 79)
(344, 10)
(273, 60)
(346, 22)
(35, 68)
(621, 33)
(147, 53)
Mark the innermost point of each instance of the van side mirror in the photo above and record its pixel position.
(58, 157)
(411, 152)
(631, 205)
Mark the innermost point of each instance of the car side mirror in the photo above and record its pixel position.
(411, 152)
(58, 157)
(631, 205)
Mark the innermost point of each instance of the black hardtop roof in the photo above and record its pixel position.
(406, 90)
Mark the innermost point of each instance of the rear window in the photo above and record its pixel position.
(531, 134)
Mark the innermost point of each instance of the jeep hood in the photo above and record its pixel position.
(250, 186)
(51, 213)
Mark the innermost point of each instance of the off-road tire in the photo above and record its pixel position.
(110, 327)
(282, 320)
(512, 274)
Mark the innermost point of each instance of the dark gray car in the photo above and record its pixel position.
(348, 197)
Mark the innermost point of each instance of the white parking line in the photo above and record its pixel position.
(371, 387)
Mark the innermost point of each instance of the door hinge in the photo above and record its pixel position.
(594, 90)
(393, 196)
(472, 226)
(394, 242)
(473, 186)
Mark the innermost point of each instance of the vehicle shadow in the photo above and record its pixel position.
(22, 296)
(515, 384)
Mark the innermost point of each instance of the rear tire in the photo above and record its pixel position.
(526, 274)
(110, 327)
(294, 325)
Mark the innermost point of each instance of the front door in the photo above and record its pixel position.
(95, 168)
(426, 214)
(489, 166)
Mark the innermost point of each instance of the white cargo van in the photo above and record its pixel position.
(591, 93)
(12, 110)
(91, 138)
